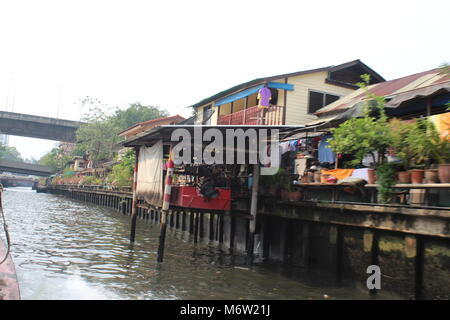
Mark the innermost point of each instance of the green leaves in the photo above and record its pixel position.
(417, 143)
(364, 135)
(136, 113)
(122, 173)
(55, 159)
(98, 136)
(385, 181)
(9, 153)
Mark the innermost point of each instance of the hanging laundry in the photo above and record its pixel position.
(325, 153)
(293, 145)
(264, 96)
(284, 147)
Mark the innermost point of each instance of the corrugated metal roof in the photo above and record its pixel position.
(175, 117)
(388, 89)
(245, 85)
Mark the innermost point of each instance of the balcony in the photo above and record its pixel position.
(274, 115)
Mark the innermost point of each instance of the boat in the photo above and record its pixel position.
(9, 286)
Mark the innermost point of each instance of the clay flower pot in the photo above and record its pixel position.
(284, 195)
(431, 176)
(404, 177)
(444, 173)
(417, 175)
(273, 190)
(371, 176)
(304, 179)
(310, 177)
(324, 178)
(295, 195)
(317, 175)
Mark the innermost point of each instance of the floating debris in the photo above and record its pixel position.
(242, 268)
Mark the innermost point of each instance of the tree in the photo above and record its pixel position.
(122, 173)
(98, 135)
(136, 113)
(364, 135)
(9, 153)
(55, 159)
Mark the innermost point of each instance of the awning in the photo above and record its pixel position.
(432, 90)
(245, 93)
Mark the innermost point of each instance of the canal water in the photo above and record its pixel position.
(66, 249)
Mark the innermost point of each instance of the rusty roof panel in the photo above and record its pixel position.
(386, 89)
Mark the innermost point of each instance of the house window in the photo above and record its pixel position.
(207, 112)
(318, 100)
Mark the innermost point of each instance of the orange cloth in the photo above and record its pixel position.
(442, 123)
(339, 173)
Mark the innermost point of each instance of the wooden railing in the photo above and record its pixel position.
(274, 115)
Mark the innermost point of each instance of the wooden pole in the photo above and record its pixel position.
(429, 106)
(245, 110)
(196, 222)
(165, 207)
(134, 203)
(253, 210)
(162, 236)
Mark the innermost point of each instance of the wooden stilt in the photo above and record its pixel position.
(162, 236)
(419, 268)
(165, 207)
(253, 210)
(133, 206)
(196, 219)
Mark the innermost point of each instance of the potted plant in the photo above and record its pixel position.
(441, 153)
(371, 176)
(400, 133)
(268, 184)
(294, 194)
(279, 182)
(431, 175)
(386, 179)
(368, 134)
(424, 141)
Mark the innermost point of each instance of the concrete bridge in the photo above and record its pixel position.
(17, 181)
(26, 125)
(25, 168)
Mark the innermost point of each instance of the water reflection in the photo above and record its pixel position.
(65, 249)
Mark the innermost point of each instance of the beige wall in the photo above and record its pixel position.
(199, 118)
(297, 100)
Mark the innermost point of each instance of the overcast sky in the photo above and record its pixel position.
(175, 53)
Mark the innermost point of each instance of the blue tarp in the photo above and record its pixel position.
(245, 93)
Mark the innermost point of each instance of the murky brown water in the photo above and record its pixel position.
(65, 249)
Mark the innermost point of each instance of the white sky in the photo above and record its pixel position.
(175, 53)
